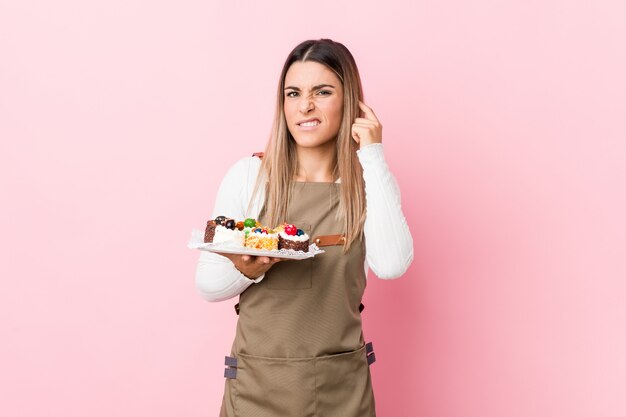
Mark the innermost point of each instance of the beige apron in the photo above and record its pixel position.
(299, 349)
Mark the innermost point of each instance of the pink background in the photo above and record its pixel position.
(502, 121)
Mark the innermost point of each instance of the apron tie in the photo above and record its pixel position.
(231, 371)
(369, 351)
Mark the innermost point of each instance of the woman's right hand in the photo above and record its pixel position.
(250, 266)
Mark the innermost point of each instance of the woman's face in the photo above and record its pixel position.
(312, 91)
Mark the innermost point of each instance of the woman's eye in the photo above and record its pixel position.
(321, 91)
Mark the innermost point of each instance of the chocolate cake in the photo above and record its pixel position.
(210, 231)
(290, 237)
(292, 244)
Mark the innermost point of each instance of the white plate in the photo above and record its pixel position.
(197, 242)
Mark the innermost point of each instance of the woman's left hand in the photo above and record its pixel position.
(368, 130)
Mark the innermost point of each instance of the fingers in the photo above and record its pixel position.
(260, 260)
(356, 133)
(369, 113)
(365, 122)
(263, 260)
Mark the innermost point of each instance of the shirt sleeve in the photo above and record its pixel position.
(388, 240)
(217, 278)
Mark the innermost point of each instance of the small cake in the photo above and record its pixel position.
(224, 229)
(280, 227)
(262, 238)
(290, 237)
(227, 232)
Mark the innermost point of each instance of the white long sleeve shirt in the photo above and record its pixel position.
(388, 240)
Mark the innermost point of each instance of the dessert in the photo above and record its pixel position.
(250, 224)
(249, 233)
(262, 238)
(209, 232)
(224, 229)
(290, 237)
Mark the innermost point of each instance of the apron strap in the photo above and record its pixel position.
(329, 240)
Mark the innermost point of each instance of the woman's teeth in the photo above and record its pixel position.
(314, 123)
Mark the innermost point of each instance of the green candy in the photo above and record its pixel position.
(249, 223)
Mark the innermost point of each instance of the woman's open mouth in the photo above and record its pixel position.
(309, 125)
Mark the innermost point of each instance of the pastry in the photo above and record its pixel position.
(290, 237)
(251, 234)
(262, 238)
(249, 224)
(224, 229)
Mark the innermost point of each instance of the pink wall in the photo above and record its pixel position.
(503, 122)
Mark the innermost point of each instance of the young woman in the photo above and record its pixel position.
(299, 349)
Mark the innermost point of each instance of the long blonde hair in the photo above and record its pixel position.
(279, 163)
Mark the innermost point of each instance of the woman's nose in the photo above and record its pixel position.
(306, 104)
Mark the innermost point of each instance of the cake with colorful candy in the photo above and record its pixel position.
(224, 229)
(290, 237)
(249, 224)
(262, 238)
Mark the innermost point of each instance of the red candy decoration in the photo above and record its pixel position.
(291, 230)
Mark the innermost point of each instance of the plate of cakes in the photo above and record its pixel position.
(249, 237)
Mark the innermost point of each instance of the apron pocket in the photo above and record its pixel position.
(343, 386)
(291, 274)
(272, 387)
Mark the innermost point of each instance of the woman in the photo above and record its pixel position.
(299, 349)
